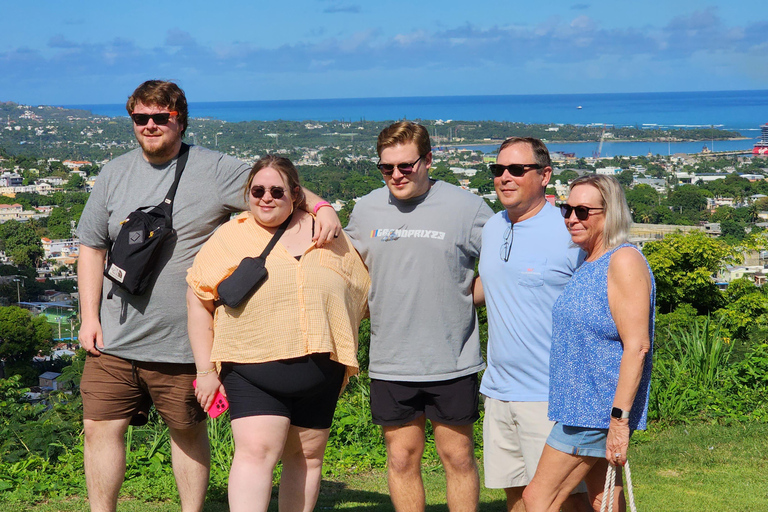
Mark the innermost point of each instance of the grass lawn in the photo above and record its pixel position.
(700, 468)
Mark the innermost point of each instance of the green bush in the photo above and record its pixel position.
(697, 377)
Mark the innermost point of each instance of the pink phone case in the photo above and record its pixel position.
(219, 405)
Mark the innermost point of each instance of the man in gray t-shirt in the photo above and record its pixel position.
(420, 239)
(138, 350)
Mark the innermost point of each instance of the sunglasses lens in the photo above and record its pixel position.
(390, 168)
(160, 119)
(582, 212)
(140, 119)
(515, 170)
(258, 192)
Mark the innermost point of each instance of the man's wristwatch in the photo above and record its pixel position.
(619, 414)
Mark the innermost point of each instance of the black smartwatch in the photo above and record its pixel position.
(619, 414)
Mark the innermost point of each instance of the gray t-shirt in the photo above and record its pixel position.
(153, 326)
(421, 256)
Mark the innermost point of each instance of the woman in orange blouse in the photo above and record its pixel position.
(283, 356)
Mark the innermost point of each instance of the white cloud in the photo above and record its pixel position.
(575, 50)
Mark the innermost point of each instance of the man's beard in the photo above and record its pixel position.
(154, 150)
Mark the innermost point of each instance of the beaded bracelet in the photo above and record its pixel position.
(206, 372)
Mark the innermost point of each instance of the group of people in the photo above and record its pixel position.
(569, 303)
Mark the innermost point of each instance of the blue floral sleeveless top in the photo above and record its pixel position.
(587, 350)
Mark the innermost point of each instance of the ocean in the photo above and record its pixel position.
(742, 111)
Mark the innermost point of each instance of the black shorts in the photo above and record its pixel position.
(304, 389)
(451, 402)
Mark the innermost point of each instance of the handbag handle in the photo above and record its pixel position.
(610, 484)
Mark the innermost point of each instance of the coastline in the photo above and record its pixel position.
(553, 141)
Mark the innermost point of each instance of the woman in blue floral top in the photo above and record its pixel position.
(602, 342)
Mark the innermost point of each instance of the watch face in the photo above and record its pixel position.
(619, 413)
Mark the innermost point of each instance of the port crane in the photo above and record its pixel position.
(599, 151)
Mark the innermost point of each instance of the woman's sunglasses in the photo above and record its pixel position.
(257, 191)
(582, 212)
(161, 119)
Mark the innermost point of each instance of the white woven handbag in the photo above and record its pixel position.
(610, 484)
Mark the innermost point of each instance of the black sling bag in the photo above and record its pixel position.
(133, 259)
(249, 274)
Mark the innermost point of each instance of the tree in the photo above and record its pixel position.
(345, 212)
(747, 214)
(683, 266)
(482, 181)
(76, 182)
(626, 177)
(57, 168)
(642, 200)
(22, 336)
(59, 225)
(689, 201)
(742, 314)
(22, 244)
(566, 176)
(722, 213)
(90, 170)
(732, 230)
(443, 173)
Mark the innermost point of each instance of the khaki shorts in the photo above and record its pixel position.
(514, 435)
(114, 388)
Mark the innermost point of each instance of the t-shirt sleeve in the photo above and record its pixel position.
(353, 228)
(231, 175)
(93, 228)
(484, 213)
(208, 269)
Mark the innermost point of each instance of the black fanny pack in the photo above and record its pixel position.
(249, 274)
(133, 260)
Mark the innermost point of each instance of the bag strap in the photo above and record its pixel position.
(610, 485)
(181, 163)
(276, 237)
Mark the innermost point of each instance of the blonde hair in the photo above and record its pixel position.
(618, 218)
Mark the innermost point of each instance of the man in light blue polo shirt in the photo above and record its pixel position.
(527, 259)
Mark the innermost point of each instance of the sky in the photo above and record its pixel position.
(95, 52)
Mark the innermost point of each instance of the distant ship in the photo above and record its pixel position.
(761, 148)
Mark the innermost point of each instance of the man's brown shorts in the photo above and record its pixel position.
(114, 388)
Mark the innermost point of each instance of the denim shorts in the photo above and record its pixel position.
(581, 441)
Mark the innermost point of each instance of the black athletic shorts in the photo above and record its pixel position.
(304, 389)
(451, 402)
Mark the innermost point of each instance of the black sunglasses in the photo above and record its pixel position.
(161, 119)
(582, 212)
(404, 168)
(257, 191)
(506, 247)
(515, 170)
